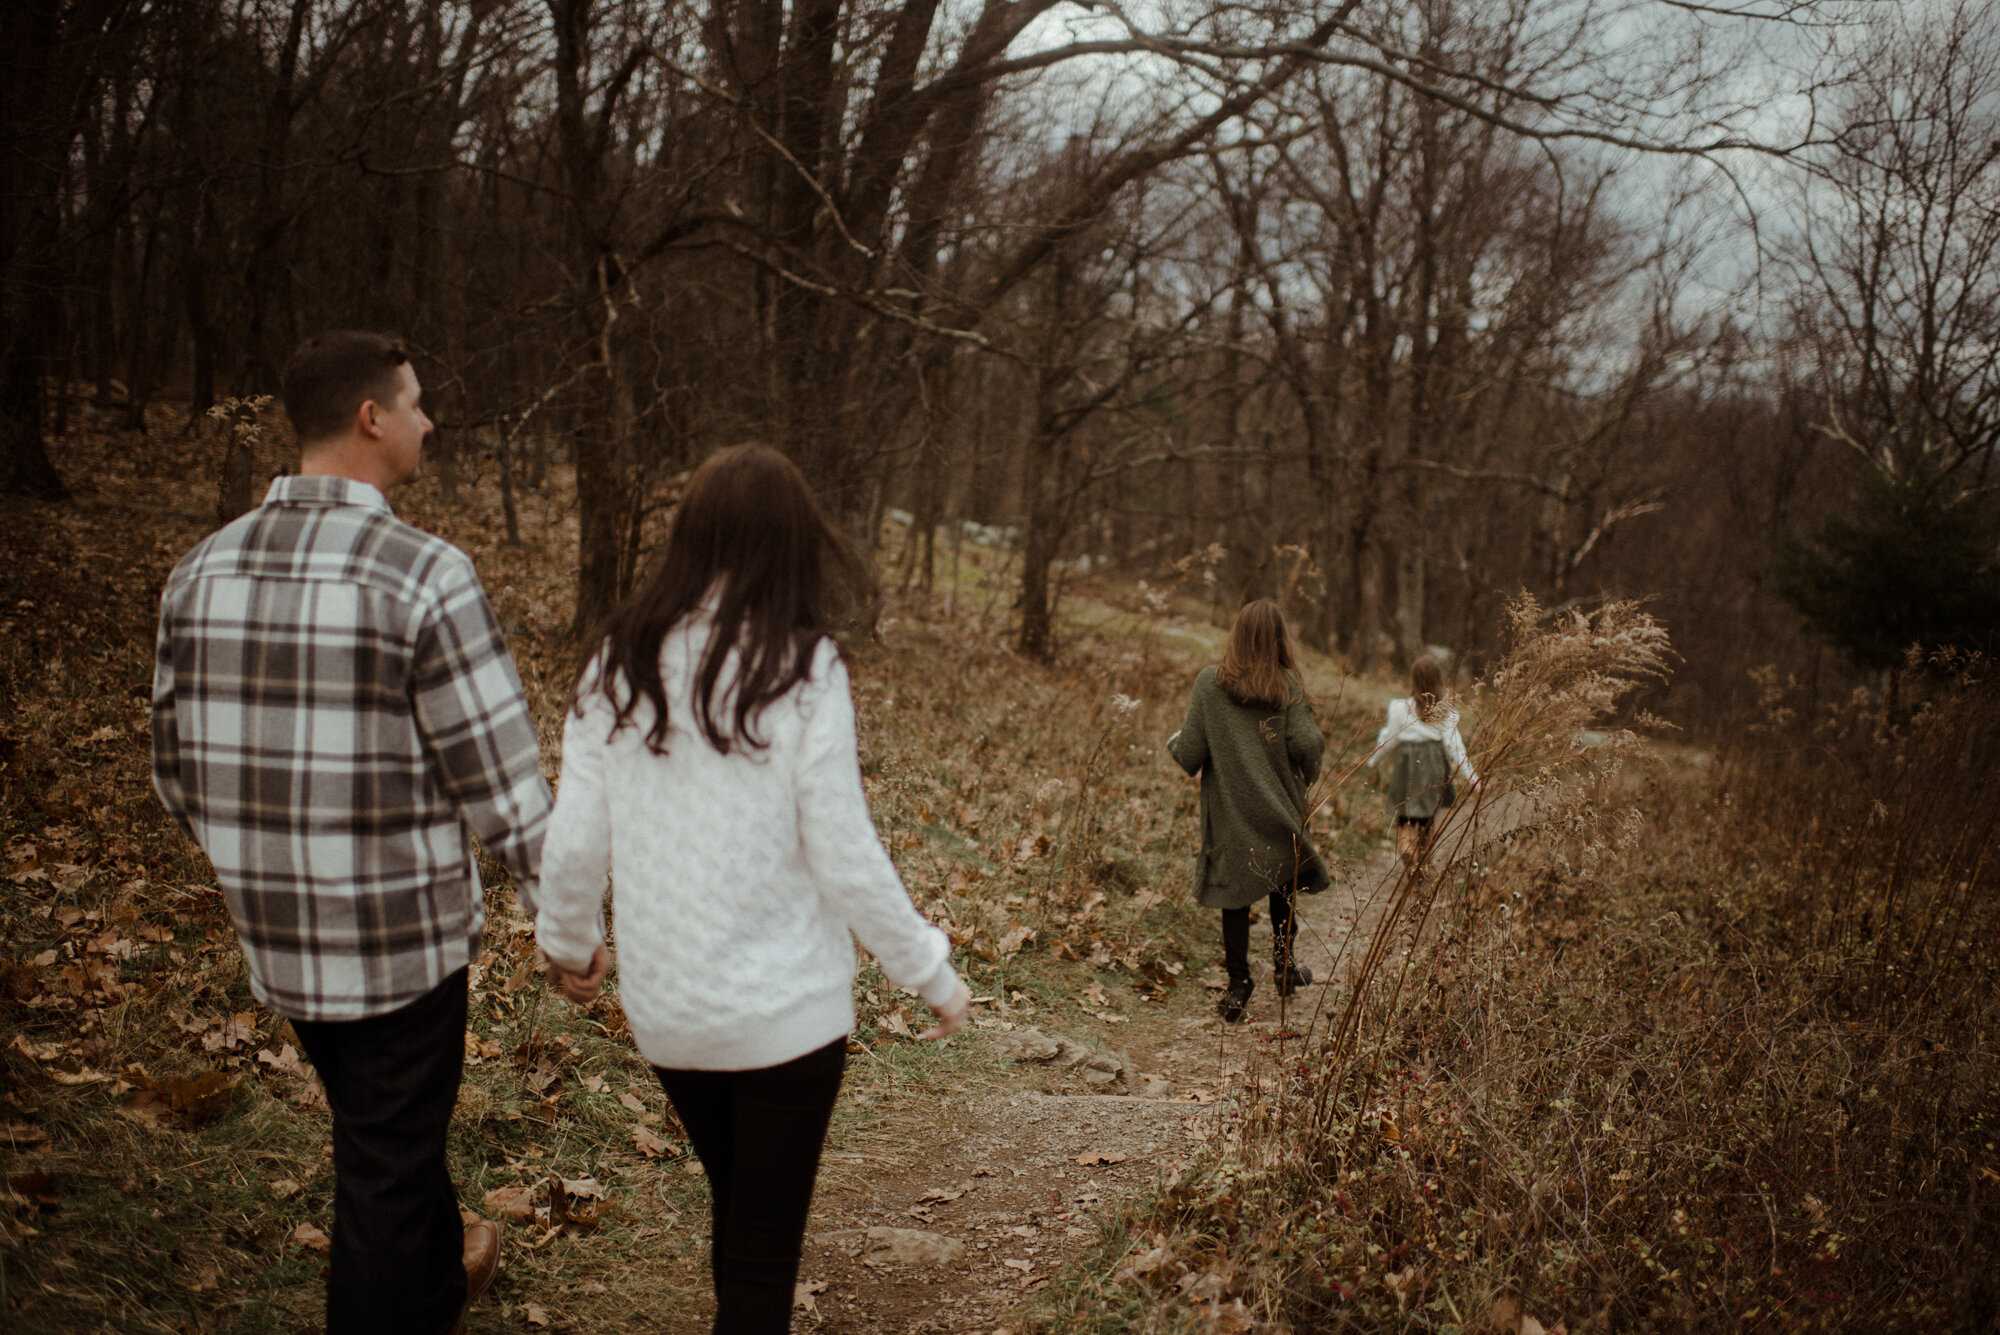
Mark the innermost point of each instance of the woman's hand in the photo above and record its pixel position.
(951, 1015)
(582, 988)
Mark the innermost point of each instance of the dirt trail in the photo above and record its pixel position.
(1007, 1194)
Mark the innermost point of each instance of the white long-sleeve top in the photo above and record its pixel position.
(736, 879)
(1403, 725)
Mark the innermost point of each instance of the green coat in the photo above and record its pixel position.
(1255, 764)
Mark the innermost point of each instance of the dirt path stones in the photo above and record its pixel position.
(955, 1244)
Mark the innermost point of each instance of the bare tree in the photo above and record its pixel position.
(1898, 253)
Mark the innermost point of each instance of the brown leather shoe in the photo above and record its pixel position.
(482, 1263)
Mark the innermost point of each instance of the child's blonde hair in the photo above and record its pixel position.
(1427, 688)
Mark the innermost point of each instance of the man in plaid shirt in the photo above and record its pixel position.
(335, 715)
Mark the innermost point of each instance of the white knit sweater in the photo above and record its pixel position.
(1403, 725)
(736, 879)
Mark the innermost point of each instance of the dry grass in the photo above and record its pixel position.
(1015, 798)
(1681, 1053)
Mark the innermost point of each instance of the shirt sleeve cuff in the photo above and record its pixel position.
(571, 953)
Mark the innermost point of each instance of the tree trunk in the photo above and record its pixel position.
(25, 469)
(443, 448)
(30, 180)
(204, 339)
(1410, 573)
(235, 496)
(1040, 541)
(266, 279)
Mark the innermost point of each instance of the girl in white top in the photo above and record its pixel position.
(1422, 717)
(710, 772)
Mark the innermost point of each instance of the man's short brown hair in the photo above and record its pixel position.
(331, 375)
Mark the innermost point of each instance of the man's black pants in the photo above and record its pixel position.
(1236, 936)
(398, 1246)
(758, 1135)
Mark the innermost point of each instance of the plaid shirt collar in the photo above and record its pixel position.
(324, 490)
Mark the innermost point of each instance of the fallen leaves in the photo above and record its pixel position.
(804, 1296)
(36, 1187)
(1505, 1316)
(286, 1061)
(576, 1205)
(59, 1062)
(559, 1206)
(19, 980)
(189, 1102)
(284, 1188)
(516, 1203)
(650, 1144)
(1231, 1318)
(1406, 1284)
(1148, 1263)
(896, 1021)
(312, 1238)
(1096, 1157)
(538, 1315)
(544, 1076)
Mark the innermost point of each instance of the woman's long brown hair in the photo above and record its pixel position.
(748, 533)
(1259, 666)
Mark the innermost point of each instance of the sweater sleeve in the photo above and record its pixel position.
(848, 863)
(1454, 750)
(1189, 746)
(576, 854)
(1392, 732)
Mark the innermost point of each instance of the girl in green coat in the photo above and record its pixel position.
(1251, 739)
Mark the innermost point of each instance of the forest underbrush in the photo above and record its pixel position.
(1688, 1045)
(1699, 1049)
(163, 1140)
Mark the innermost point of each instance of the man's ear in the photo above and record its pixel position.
(368, 418)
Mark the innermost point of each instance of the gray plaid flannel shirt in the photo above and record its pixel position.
(334, 713)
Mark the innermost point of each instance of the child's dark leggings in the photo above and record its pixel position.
(758, 1135)
(1236, 936)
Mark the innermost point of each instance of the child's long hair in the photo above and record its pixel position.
(748, 532)
(1427, 689)
(1259, 666)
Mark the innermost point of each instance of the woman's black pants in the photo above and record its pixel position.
(1236, 936)
(758, 1135)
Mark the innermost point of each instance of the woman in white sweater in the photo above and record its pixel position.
(710, 772)
(1420, 742)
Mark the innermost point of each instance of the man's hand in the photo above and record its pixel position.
(582, 988)
(951, 1015)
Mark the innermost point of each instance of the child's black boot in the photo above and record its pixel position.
(1233, 1002)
